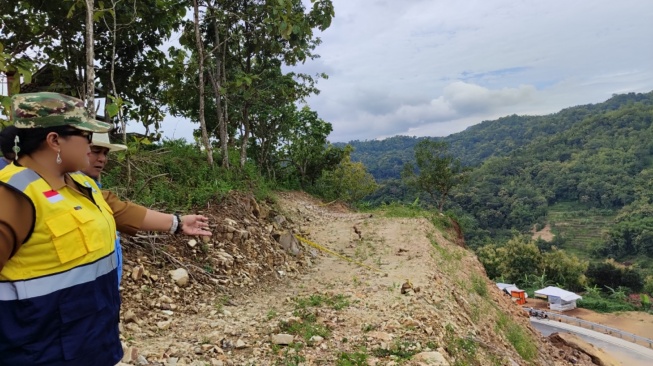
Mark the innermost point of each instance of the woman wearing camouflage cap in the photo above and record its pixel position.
(59, 301)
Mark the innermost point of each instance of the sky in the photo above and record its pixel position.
(436, 67)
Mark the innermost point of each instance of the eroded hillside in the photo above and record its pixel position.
(258, 297)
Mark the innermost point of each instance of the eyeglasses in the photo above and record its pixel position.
(87, 134)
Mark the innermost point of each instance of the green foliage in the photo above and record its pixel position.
(514, 260)
(352, 359)
(517, 336)
(306, 328)
(348, 182)
(291, 356)
(594, 158)
(462, 349)
(403, 350)
(565, 269)
(479, 286)
(336, 302)
(395, 209)
(611, 275)
(438, 171)
(49, 34)
(175, 176)
(603, 305)
(648, 285)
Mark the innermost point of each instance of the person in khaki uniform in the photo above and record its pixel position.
(101, 146)
(59, 300)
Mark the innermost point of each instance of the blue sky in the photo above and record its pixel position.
(436, 67)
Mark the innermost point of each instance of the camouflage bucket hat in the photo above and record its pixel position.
(37, 110)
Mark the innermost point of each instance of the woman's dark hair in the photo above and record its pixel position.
(29, 139)
(7, 136)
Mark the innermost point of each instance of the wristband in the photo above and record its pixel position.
(175, 224)
(179, 224)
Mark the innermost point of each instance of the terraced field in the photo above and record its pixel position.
(579, 226)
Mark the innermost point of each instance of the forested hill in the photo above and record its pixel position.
(385, 158)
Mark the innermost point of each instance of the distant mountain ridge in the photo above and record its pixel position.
(590, 157)
(384, 159)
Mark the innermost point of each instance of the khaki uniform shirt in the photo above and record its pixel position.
(17, 215)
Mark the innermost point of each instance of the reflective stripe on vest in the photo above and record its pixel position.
(59, 300)
(20, 290)
(70, 230)
(22, 179)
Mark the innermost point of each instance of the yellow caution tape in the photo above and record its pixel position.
(329, 251)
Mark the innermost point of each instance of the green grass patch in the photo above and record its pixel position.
(403, 350)
(352, 359)
(175, 175)
(336, 302)
(306, 328)
(462, 349)
(517, 336)
(479, 285)
(290, 356)
(603, 305)
(396, 209)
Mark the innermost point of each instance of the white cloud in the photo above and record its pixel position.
(435, 67)
(425, 67)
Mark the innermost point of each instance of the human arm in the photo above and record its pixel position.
(131, 218)
(16, 219)
(190, 224)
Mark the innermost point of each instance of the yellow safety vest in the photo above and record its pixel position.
(59, 300)
(70, 230)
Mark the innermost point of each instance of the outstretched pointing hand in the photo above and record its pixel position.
(195, 225)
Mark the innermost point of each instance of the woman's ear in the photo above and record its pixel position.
(52, 140)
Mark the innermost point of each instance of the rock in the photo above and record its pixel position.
(164, 325)
(288, 242)
(142, 361)
(240, 344)
(130, 317)
(131, 355)
(192, 243)
(431, 358)
(180, 277)
(133, 327)
(383, 336)
(278, 221)
(316, 339)
(137, 273)
(282, 339)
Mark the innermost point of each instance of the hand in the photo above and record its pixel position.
(195, 225)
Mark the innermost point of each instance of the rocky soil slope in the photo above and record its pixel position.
(372, 291)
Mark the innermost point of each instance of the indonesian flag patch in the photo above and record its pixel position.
(53, 196)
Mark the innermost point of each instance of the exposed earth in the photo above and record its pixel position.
(378, 291)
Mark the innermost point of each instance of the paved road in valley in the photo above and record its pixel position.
(627, 353)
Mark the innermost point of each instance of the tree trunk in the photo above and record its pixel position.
(224, 138)
(89, 94)
(200, 56)
(216, 79)
(243, 145)
(123, 123)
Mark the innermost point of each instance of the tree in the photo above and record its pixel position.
(200, 62)
(304, 149)
(438, 171)
(48, 33)
(349, 181)
(565, 269)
